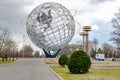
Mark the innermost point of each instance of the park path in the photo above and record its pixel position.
(26, 69)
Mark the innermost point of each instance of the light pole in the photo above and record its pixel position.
(24, 38)
(87, 29)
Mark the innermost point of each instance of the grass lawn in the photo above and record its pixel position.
(6, 62)
(91, 75)
(118, 60)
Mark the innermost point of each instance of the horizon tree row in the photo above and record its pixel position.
(8, 47)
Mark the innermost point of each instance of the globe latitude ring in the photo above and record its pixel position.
(51, 27)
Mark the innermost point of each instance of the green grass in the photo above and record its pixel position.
(91, 75)
(118, 60)
(6, 62)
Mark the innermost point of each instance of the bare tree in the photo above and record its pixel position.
(116, 33)
(4, 37)
(108, 50)
(27, 51)
(37, 54)
(6, 42)
(93, 47)
(95, 43)
(10, 46)
(69, 49)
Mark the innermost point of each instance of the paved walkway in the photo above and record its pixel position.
(26, 69)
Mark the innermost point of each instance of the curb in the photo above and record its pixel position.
(56, 74)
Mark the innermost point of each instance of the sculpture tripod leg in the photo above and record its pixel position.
(51, 56)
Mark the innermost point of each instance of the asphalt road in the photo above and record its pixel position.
(26, 69)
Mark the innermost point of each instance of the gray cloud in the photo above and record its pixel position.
(98, 1)
(12, 13)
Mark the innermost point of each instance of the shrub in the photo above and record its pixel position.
(79, 62)
(63, 60)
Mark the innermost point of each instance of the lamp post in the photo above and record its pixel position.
(87, 29)
(24, 39)
(17, 54)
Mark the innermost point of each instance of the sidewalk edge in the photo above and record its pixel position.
(56, 74)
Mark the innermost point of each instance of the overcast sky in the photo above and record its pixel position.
(97, 13)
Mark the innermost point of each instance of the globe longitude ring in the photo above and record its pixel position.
(50, 26)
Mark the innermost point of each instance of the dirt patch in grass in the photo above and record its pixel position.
(100, 62)
(50, 60)
(96, 65)
(105, 67)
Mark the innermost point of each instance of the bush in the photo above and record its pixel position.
(63, 60)
(79, 62)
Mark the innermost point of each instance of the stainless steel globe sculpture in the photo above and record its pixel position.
(50, 26)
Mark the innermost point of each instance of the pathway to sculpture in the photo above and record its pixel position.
(26, 69)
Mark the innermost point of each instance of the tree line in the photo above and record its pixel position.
(107, 49)
(8, 47)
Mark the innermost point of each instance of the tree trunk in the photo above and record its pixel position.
(3, 59)
(13, 55)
